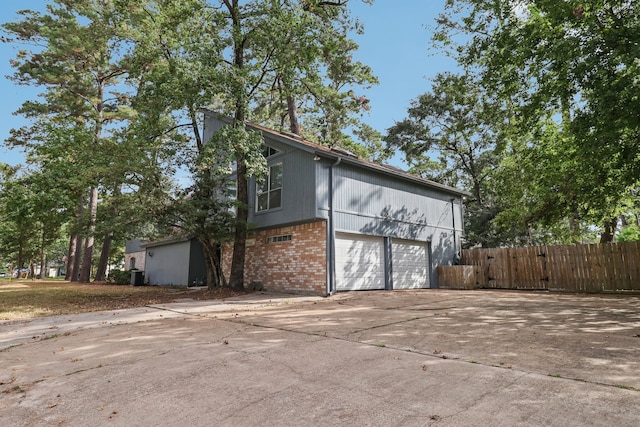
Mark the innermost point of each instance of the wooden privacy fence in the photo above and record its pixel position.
(609, 267)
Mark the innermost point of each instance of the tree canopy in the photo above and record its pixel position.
(122, 86)
(561, 82)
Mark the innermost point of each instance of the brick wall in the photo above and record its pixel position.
(298, 265)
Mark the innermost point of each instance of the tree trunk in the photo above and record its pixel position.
(101, 271)
(293, 116)
(75, 247)
(609, 231)
(87, 256)
(623, 221)
(215, 276)
(20, 258)
(70, 257)
(43, 258)
(574, 228)
(104, 259)
(236, 278)
(77, 260)
(85, 272)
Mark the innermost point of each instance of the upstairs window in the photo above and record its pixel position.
(231, 194)
(269, 191)
(268, 151)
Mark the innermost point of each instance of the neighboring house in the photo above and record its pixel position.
(134, 255)
(55, 269)
(178, 262)
(326, 221)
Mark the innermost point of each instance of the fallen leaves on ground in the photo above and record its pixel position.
(50, 298)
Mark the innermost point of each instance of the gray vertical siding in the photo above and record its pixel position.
(179, 263)
(322, 170)
(211, 126)
(133, 245)
(168, 264)
(381, 205)
(298, 189)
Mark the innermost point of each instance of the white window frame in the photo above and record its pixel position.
(270, 190)
(268, 151)
(280, 239)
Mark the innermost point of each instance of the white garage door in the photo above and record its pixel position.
(410, 262)
(359, 262)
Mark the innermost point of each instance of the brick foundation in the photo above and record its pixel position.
(295, 266)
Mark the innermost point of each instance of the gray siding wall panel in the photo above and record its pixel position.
(211, 127)
(380, 204)
(383, 206)
(322, 169)
(133, 245)
(298, 189)
(168, 264)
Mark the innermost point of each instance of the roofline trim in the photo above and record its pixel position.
(327, 152)
(393, 173)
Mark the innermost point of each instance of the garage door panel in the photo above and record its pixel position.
(359, 262)
(360, 284)
(410, 262)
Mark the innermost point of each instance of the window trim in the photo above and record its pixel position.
(270, 190)
(280, 238)
(270, 151)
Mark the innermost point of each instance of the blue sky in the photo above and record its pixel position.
(395, 44)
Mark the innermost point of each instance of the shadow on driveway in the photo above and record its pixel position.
(427, 357)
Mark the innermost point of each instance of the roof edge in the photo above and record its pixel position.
(165, 241)
(327, 152)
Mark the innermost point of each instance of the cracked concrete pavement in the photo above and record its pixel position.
(430, 357)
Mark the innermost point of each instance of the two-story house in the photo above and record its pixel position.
(326, 221)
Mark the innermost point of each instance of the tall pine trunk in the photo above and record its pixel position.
(77, 259)
(43, 256)
(101, 271)
(236, 278)
(87, 256)
(72, 250)
(75, 247)
(20, 256)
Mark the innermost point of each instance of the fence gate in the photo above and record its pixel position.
(609, 267)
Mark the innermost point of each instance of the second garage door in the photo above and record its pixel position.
(359, 262)
(410, 264)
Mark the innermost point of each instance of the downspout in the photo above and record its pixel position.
(332, 233)
(453, 222)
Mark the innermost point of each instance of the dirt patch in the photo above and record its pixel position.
(29, 299)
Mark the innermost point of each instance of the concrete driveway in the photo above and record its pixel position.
(431, 357)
